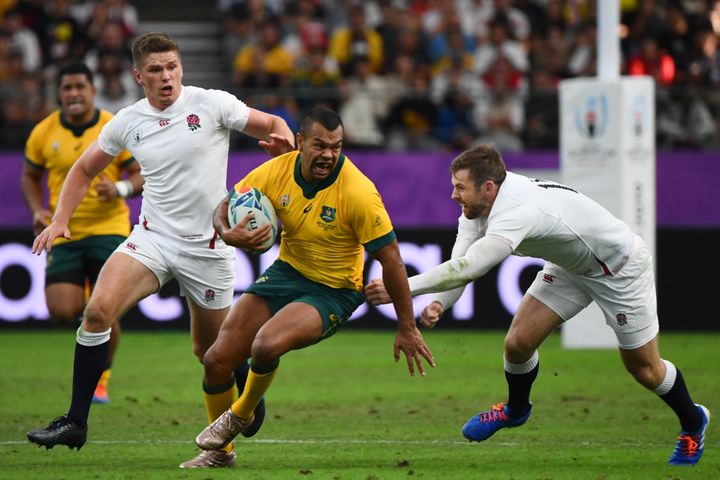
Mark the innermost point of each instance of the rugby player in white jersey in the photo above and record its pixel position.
(179, 136)
(590, 256)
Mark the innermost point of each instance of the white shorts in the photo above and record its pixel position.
(627, 299)
(206, 276)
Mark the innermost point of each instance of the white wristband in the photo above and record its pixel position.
(124, 188)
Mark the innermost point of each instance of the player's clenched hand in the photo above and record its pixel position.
(41, 219)
(410, 341)
(431, 314)
(46, 238)
(277, 145)
(240, 237)
(375, 292)
(105, 188)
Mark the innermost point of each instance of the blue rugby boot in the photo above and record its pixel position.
(483, 425)
(690, 445)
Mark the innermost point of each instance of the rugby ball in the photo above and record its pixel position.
(247, 199)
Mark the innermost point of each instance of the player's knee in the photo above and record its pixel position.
(64, 316)
(645, 374)
(264, 350)
(216, 365)
(517, 348)
(99, 314)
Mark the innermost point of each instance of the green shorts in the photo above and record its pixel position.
(74, 262)
(281, 284)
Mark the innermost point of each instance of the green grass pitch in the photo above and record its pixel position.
(344, 410)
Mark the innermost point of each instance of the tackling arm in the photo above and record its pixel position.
(479, 259)
(274, 135)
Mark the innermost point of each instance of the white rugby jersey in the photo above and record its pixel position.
(183, 155)
(544, 219)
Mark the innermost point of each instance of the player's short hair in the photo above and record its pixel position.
(73, 68)
(323, 116)
(484, 163)
(152, 42)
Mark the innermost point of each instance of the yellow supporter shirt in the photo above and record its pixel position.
(325, 225)
(54, 145)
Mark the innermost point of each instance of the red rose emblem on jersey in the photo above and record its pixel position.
(193, 122)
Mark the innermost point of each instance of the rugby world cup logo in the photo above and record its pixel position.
(591, 116)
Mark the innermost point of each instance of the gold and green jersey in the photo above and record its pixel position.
(54, 145)
(327, 224)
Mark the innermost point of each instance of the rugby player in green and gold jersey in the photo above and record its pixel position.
(331, 214)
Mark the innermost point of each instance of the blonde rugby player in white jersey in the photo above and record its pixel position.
(180, 137)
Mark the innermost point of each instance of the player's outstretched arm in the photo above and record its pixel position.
(409, 340)
(238, 236)
(273, 133)
(88, 166)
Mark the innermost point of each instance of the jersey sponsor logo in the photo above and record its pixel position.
(285, 200)
(378, 221)
(137, 136)
(307, 209)
(164, 122)
(131, 246)
(621, 319)
(327, 214)
(209, 295)
(193, 122)
(547, 278)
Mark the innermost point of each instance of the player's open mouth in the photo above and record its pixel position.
(322, 169)
(167, 89)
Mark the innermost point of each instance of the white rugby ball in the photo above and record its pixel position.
(246, 200)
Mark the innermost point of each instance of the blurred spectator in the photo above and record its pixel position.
(449, 42)
(500, 43)
(23, 40)
(412, 118)
(542, 115)
(705, 68)
(484, 15)
(113, 95)
(393, 20)
(652, 61)
(583, 55)
(455, 77)
(111, 69)
(22, 103)
(684, 120)
(237, 33)
(111, 40)
(677, 40)
(500, 111)
(314, 83)
(455, 126)
(647, 20)
(63, 33)
(356, 40)
(266, 56)
(360, 119)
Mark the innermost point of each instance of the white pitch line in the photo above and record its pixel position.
(276, 441)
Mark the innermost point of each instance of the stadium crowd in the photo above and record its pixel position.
(403, 74)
